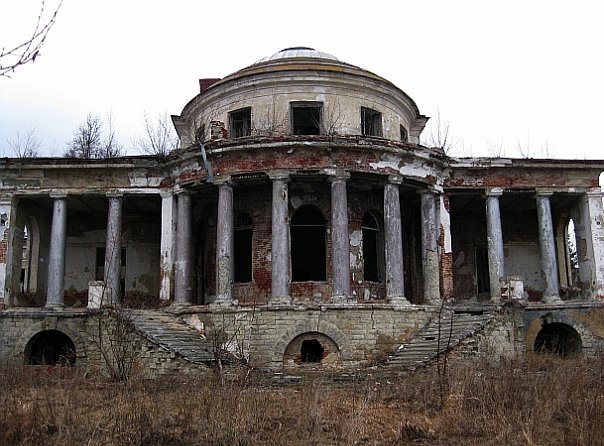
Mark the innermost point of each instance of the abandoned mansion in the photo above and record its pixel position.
(301, 219)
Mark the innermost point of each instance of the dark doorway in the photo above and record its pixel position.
(482, 270)
(308, 244)
(373, 248)
(50, 347)
(311, 351)
(243, 248)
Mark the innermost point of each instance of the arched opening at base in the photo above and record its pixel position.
(311, 351)
(558, 339)
(312, 348)
(50, 347)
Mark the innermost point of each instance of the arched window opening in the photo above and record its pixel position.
(25, 260)
(311, 351)
(244, 228)
(558, 339)
(373, 248)
(308, 244)
(572, 255)
(50, 347)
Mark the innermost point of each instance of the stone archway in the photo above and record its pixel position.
(71, 330)
(558, 339)
(50, 347)
(311, 325)
(312, 348)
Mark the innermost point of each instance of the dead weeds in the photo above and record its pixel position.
(539, 400)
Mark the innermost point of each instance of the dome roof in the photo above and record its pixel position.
(297, 52)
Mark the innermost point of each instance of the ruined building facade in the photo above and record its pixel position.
(302, 213)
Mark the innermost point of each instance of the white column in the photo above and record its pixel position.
(280, 240)
(594, 238)
(429, 247)
(113, 249)
(167, 245)
(547, 243)
(183, 268)
(8, 260)
(56, 257)
(340, 245)
(393, 237)
(495, 242)
(224, 245)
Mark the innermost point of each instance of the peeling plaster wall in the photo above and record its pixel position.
(522, 259)
(142, 268)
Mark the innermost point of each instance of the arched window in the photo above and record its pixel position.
(572, 254)
(308, 244)
(26, 260)
(373, 248)
(244, 228)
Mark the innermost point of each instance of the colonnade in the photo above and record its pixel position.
(179, 229)
(183, 264)
(547, 244)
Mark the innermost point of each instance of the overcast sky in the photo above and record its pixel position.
(500, 72)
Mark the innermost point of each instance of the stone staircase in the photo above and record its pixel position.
(171, 333)
(441, 334)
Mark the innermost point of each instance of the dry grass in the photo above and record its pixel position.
(540, 401)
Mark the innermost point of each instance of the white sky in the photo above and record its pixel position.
(499, 71)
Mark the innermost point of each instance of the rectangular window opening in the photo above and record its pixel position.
(240, 123)
(307, 118)
(404, 134)
(371, 122)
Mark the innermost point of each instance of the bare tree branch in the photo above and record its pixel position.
(442, 136)
(110, 147)
(159, 137)
(88, 141)
(27, 145)
(525, 151)
(495, 149)
(29, 50)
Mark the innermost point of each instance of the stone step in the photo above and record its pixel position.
(171, 333)
(439, 335)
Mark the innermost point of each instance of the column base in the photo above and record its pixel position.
(342, 299)
(399, 301)
(224, 303)
(276, 301)
(434, 302)
(53, 306)
(551, 300)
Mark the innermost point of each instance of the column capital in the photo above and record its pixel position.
(337, 175)
(544, 192)
(493, 192)
(223, 181)
(595, 193)
(114, 194)
(179, 191)
(278, 175)
(426, 192)
(57, 194)
(395, 179)
(166, 193)
(8, 199)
